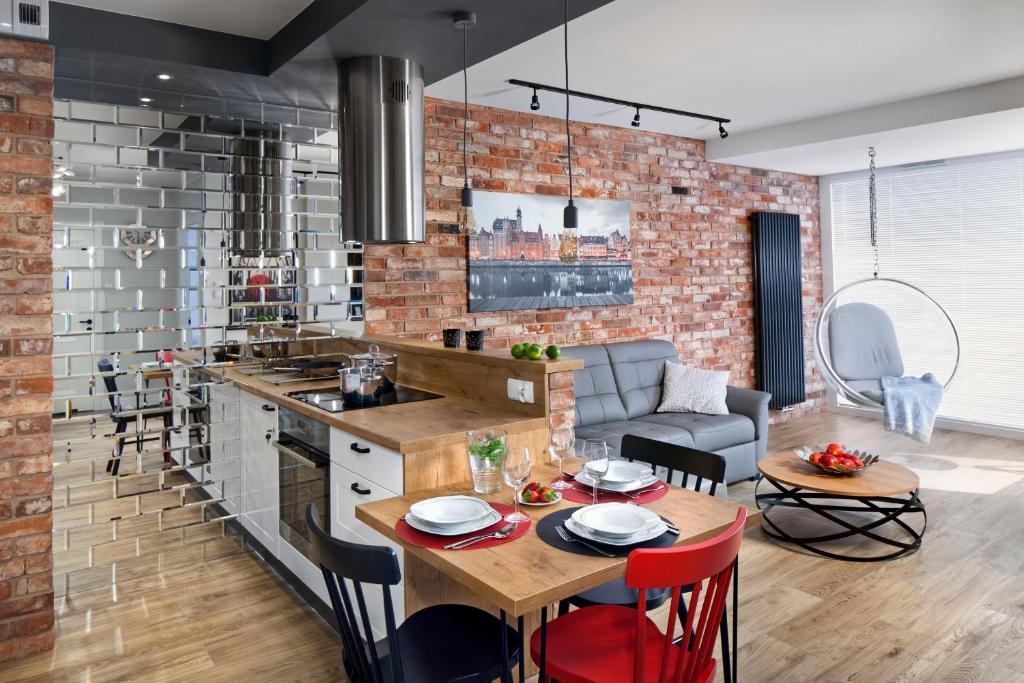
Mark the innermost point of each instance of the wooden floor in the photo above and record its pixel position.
(952, 612)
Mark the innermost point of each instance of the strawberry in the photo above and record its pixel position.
(534, 497)
(532, 486)
(548, 495)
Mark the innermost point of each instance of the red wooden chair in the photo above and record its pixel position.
(610, 643)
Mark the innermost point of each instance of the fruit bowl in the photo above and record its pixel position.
(836, 460)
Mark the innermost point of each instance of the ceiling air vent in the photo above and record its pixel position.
(25, 18)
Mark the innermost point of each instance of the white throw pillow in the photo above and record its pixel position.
(693, 390)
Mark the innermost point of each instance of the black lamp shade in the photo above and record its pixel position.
(570, 217)
(467, 196)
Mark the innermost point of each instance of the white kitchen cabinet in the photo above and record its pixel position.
(259, 493)
(223, 473)
(365, 458)
(364, 472)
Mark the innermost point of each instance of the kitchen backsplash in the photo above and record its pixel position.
(176, 231)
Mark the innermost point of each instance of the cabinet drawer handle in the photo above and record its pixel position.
(269, 408)
(361, 492)
(359, 449)
(270, 434)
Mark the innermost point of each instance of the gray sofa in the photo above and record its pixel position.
(619, 389)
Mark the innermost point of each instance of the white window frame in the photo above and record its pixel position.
(828, 278)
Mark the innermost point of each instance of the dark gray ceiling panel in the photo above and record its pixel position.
(297, 67)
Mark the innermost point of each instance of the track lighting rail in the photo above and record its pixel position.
(613, 100)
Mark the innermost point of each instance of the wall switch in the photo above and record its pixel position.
(519, 390)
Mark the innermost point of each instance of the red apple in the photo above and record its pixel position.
(834, 449)
(828, 460)
(815, 457)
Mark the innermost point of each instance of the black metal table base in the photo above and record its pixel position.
(886, 513)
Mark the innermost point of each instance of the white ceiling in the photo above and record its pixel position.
(762, 64)
(251, 18)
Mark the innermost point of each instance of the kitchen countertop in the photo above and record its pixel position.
(405, 428)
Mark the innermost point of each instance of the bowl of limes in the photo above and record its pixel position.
(534, 351)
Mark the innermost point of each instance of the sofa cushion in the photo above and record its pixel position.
(612, 432)
(710, 432)
(638, 367)
(693, 390)
(597, 399)
(872, 388)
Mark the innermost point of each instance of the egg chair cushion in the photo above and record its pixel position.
(862, 343)
(869, 388)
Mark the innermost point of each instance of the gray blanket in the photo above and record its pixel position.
(911, 405)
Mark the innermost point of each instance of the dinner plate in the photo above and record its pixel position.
(615, 520)
(453, 530)
(623, 471)
(646, 480)
(642, 537)
(450, 510)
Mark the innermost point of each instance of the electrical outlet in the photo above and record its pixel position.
(519, 390)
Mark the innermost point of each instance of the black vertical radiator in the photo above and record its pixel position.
(778, 307)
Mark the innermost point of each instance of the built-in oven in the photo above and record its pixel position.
(304, 476)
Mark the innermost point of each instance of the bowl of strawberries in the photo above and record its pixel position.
(835, 459)
(538, 494)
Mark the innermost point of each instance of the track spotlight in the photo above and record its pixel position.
(534, 101)
(636, 118)
(722, 132)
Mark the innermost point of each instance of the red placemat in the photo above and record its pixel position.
(581, 494)
(424, 540)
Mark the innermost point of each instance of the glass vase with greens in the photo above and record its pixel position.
(487, 449)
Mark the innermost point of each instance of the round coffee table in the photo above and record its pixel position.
(882, 495)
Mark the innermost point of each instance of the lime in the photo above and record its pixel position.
(533, 352)
(553, 351)
(518, 350)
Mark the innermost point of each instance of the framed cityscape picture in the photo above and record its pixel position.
(520, 256)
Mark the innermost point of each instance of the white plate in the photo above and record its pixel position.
(623, 471)
(615, 520)
(585, 533)
(558, 499)
(456, 530)
(450, 510)
(646, 480)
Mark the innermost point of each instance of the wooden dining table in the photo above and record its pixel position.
(524, 578)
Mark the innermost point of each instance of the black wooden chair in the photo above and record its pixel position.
(438, 643)
(697, 469)
(121, 421)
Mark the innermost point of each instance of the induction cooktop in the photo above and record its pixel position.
(332, 400)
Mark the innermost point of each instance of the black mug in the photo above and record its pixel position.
(452, 337)
(475, 340)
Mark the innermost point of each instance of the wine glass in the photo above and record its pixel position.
(595, 462)
(515, 470)
(563, 445)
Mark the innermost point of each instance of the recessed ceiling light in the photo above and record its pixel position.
(145, 100)
(164, 77)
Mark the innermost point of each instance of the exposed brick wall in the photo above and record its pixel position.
(26, 345)
(692, 254)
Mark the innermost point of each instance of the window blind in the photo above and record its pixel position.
(957, 232)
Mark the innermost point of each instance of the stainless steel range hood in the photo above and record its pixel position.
(381, 155)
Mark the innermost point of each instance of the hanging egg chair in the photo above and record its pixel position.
(882, 327)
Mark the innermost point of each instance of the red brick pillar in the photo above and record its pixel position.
(561, 400)
(26, 346)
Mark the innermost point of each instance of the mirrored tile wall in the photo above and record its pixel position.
(182, 244)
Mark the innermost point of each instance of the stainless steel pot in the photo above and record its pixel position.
(361, 386)
(385, 364)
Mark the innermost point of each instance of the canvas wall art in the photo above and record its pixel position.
(520, 256)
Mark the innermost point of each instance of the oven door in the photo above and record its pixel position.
(304, 477)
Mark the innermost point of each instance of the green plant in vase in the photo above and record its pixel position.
(487, 449)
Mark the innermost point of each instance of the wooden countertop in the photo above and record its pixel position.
(496, 358)
(404, 428)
